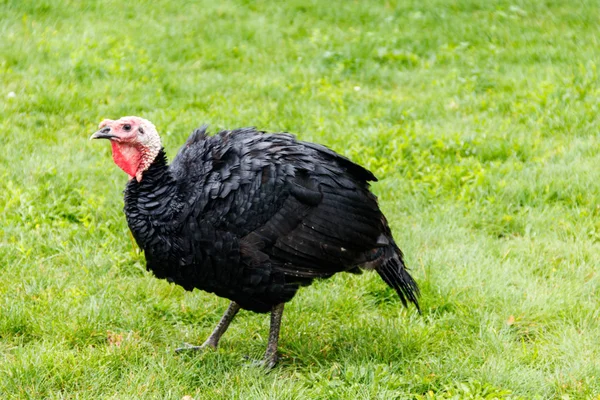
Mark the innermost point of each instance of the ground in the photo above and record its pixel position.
(479, 117)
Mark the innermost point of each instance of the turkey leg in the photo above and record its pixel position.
(271, 354)
(213, 339)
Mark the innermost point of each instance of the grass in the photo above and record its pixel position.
(479, 117)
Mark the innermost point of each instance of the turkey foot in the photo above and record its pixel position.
(271, 357)
(188, 347)
(215, 336)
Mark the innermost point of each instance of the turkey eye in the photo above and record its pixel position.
(127, 127)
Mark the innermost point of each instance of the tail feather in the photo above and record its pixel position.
(392, 270)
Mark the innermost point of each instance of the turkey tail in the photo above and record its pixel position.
(390, 266)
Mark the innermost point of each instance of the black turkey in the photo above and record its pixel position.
(251, 217)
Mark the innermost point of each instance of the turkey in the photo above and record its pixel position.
(251, 217)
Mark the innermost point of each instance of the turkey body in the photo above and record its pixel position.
(252, 217)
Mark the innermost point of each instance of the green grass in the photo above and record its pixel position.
(479, 117)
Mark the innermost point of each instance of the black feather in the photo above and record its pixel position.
(253, 217)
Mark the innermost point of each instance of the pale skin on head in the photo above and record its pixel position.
(135, 143)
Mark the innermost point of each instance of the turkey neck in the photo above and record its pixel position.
(154, 198)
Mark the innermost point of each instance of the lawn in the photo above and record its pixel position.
(479, 117)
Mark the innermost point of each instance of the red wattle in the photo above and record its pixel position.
(127, 157)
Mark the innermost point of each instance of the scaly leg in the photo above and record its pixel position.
(271, 354)
(213, 339)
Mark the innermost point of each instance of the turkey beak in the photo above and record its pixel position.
(104, 133)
